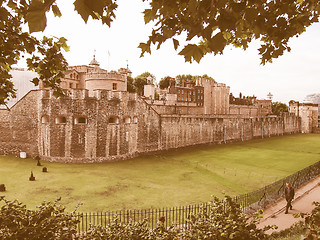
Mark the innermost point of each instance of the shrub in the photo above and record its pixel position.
(223, 221)
(312, 223)
(309, 229)
(294, 232)
(48, 221)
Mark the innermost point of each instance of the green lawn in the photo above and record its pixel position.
(175, 178)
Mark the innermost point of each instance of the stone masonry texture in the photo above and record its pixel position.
(116, 125)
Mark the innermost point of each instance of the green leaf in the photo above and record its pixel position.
(82, 9)
(227, 35)
(192, 51)
(11, 4)
(56, 11)
(148, 15)
(217, 43)
(35, 81)
(37, 20)
(144, 48)
(175, 43)
(93, 8)
(65, 46)
(106, 20)
(192, 6)
(97, 5)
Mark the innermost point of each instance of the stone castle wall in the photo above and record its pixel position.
(18, 127)
(245, 110)
(173, 109)
(216, 97)
(185, 130)
(118, 125)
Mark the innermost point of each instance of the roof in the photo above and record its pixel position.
(94, 62)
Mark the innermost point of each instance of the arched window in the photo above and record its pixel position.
(80, 120)
(44, 119)
(127, 119)
(135, 119)
(114, 120)
(61, 120)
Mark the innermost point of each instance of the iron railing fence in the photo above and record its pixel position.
(174, 215)
(249, 203)
(274, 191)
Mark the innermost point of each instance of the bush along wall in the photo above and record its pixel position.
(223, 220)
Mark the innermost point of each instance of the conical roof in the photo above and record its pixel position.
(94, 62)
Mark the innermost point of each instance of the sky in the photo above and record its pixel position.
(290, 77)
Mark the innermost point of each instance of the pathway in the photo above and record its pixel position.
(304, 196)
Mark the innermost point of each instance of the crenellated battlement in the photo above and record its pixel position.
(111, 95)
(110, 76)
(98, 94)
(68, 93)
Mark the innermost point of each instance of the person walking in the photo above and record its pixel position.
(289, 194)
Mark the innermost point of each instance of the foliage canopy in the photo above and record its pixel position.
(215, 24)
(278, 107)
(206, 26)
(164, 82)
(46, 54)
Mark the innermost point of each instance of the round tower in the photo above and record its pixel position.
(98, 78)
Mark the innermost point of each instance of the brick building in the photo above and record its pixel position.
(188, 92)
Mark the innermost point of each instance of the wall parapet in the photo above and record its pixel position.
(104, 76)
(68, 93)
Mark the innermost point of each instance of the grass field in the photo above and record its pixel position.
(175, 178)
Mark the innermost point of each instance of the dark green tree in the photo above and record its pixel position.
(130, 85)
(142, 80)
(46, 54)
(165, 82)
(206, 77)
(278, 107)
(139, 84)
(146, 76)
(187, 77)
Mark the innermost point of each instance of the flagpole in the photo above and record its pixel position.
(108, 67)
